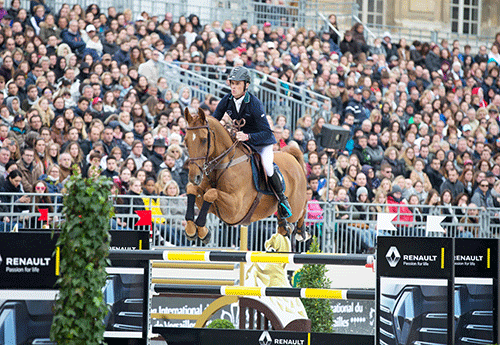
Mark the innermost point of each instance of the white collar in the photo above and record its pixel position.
(238, 102)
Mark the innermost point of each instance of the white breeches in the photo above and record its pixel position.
(267, 155)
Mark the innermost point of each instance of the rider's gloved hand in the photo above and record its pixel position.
(242, 136)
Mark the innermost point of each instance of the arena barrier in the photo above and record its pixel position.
(28, 274)
(443, 288)
(246, 257)
(343, 294)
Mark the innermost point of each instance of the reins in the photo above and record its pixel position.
(210, 165)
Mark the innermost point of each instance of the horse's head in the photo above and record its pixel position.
(198, 142)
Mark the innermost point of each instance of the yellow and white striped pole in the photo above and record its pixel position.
(242, 256)
(339, 294)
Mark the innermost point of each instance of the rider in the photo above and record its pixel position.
(241, 104)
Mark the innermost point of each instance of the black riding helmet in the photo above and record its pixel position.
(239, 73)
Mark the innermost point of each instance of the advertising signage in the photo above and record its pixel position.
(476, 290)
(29, 269)
(206, 336)
(27, 261)
(421, 257)
(415, 284)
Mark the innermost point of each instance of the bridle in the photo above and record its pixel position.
(209, 165)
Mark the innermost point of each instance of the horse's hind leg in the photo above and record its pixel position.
(300, 232)
(284, 227)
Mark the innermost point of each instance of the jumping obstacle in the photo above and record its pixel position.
(193, 281)
(191, 266)
(245, 257)
(209, 259)
(267, 292)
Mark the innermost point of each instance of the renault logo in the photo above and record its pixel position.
(265, 338)
(393, 256)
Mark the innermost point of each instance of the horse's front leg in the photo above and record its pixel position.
(191, 229)
(208, 199)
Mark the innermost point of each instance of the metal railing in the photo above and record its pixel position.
(357, 232)
(350, 229)
(200, 83)
(424, 35)
(368, 32)
(299, 13)
(279, 97)
(329, 26)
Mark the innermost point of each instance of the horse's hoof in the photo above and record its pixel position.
(208, 235)
(302, 236)
(207, 238)
(192, 238)
(191, 231)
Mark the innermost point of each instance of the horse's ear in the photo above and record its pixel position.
(201, 115)
(187, 115)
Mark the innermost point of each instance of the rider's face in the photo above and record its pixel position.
(237, 88)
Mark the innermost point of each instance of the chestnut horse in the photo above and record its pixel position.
(221, 183)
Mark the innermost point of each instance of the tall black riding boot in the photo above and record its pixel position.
(284, 209)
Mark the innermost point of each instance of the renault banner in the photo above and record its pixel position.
(27, 261)
(415, 283)
(476, 290)
(29, 269)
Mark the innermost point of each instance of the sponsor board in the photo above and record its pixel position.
(128, 240)
(27, 261)
(476, 258)
(189, 306)
(29, 268)
(204, 336)
(420, 257)
(477, 289)
(353, 317)
(415, 289)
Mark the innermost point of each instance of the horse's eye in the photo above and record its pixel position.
(204, 140)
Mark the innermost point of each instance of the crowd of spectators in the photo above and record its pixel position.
(82, 87)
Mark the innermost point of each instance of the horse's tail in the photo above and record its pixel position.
(297, 153)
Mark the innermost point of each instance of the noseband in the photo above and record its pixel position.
(209, 165)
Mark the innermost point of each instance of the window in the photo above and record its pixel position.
(372, 11)
(465, 16)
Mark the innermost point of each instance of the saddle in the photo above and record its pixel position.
(260, 178)
(259, 175)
